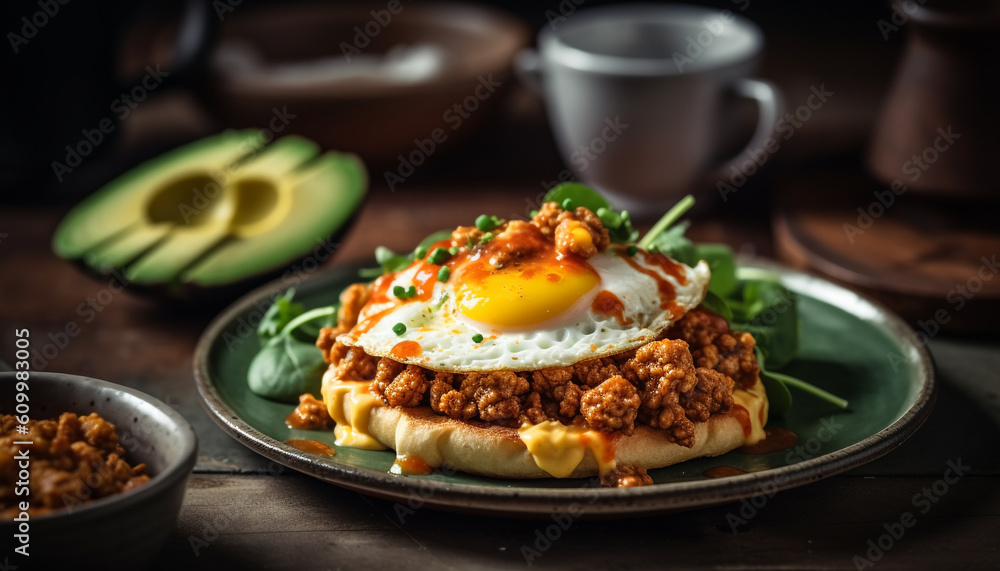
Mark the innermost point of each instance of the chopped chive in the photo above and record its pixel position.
(399, 292)
(567, 204)
(485, 222)
(439, 256)
(533, 213)
(477, 338)
(631, 250)
(399, 329)
(444, 273)
(453, 251)
(411, 291)
(420, 252)
(486, 238)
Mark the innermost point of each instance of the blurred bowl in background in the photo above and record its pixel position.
(369, 78)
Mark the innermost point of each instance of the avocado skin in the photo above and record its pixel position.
(176, 293)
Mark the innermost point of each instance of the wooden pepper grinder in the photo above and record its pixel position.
(939, 129)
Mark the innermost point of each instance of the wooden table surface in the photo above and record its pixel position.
(242, 510)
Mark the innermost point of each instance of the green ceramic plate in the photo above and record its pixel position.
(850, 345)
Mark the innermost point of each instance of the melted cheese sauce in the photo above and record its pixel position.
(350, 404)
(754, 400)
(558, 449)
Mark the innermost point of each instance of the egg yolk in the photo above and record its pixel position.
(524, 295)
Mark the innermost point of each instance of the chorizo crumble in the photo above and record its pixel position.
(74, 459)
(672, 383)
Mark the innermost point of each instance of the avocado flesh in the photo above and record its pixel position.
(115, 208)
(216, 221)
(324, 196)
(215, 212)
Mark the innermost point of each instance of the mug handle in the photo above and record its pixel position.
(770, 106)
(528, 68)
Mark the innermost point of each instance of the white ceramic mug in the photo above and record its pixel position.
(634, 93)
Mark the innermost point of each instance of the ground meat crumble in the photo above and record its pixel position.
(626, 476)
(671, 384)
(74, 459)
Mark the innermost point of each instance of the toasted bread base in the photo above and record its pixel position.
(498, 452)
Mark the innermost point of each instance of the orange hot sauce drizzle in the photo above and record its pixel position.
(311, 447)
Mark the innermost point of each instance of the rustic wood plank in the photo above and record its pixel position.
(291, 522)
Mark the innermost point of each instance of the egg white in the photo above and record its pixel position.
(579, 333)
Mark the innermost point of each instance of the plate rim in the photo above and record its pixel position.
(587, 500)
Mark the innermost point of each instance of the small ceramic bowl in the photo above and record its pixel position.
(123, 531)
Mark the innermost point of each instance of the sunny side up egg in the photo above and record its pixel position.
(534, 309)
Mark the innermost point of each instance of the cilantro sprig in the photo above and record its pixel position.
(751, 299)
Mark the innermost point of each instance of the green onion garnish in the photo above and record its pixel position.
(399, 329)
(439, 256)
(485, 222)
(444, 273)
(477, 338)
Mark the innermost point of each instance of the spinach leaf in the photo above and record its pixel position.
(720, 260)
(280, 314)
(286, 368)
(717, 304)
(289, 363)
(578, 195)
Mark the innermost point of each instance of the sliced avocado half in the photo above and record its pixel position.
(215, 212)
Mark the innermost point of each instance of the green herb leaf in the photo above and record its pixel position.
(277, 317)
(570, 195)
(578, 195)
(720, 260)
(715, 303)
(306, 327)
(672, 215)
(675, 244)
(390, 261)
(434, 238)
(286, 368)
(805, 387)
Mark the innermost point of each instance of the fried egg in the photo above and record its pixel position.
(527, 312)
